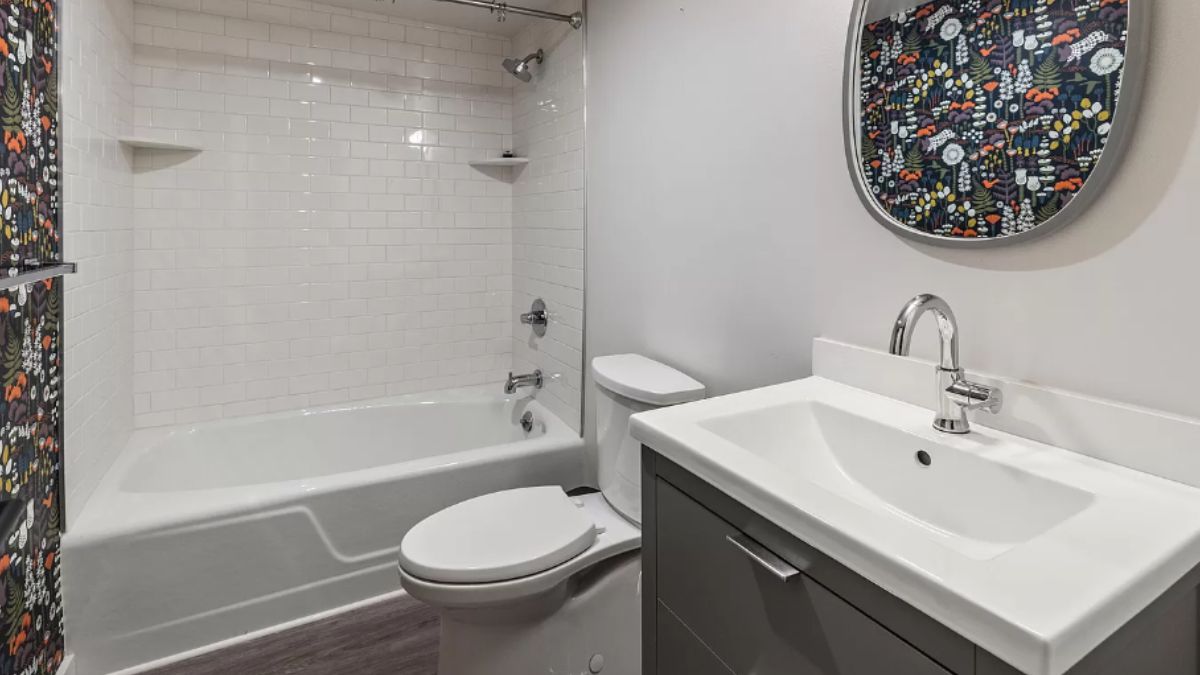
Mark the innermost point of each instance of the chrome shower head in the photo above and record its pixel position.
(520, 68)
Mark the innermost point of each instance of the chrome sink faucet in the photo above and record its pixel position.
(956, 394)
(515, 382)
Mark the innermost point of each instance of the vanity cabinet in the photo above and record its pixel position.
(725, 591)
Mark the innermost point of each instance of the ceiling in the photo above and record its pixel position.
(449, 14)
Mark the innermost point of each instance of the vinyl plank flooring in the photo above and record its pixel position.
(394, 637)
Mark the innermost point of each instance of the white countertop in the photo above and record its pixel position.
(1040, 605)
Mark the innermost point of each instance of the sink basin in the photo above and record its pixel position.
(1034, 553)
(975, 506)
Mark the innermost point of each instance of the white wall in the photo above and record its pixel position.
(330, 243)
(97, 108)
(548, 210)
(724, 233)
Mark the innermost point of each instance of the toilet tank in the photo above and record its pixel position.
(629, 384)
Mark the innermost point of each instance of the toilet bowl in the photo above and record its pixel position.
(535, 580)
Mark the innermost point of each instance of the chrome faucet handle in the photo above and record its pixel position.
(956, 395)
(973, 396)
(538, 317)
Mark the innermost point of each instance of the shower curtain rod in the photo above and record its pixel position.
(503, 8)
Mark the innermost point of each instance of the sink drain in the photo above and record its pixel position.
(923, 458)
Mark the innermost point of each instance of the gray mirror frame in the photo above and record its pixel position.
(1124, 120)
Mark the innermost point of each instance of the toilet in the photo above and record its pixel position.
(534, 580)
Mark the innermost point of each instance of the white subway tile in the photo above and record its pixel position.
(332, 203)
(200, 23)
(290, 35)
(350, 25)
(152, 16)
(251, 30)
(261, 10)
(233, 8)
(221, 44)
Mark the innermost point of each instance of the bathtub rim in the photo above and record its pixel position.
(153, 512)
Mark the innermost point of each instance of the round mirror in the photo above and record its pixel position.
(980, 122)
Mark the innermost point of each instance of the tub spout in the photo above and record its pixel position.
(516, 382)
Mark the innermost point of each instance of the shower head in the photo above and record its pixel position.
(520, 68)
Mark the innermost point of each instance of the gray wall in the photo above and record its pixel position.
(724, 233)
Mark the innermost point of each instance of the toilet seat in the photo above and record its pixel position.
(497, 537)
(613, 535)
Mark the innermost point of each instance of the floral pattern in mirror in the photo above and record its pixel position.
(984, 118)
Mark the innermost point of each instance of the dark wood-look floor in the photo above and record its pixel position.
(394, 637)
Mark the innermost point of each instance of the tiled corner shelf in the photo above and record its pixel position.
(500, 161)
(151, 144)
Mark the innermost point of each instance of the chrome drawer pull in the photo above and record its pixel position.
(778, 567)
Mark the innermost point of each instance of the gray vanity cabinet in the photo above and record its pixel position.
(757, 622)
(724, 591)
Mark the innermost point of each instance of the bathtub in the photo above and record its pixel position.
(202, 534)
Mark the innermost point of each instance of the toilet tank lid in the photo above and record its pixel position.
(646, 380)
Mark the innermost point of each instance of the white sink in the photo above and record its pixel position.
(1033, 552)
(977, 507)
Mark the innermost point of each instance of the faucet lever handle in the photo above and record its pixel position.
(974, 396)
(537, 317)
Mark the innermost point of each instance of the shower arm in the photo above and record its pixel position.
(503, 8)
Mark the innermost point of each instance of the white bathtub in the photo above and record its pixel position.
(202, 534)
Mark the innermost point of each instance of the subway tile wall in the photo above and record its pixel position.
(330, 242)
(96, 110)
(548, 210)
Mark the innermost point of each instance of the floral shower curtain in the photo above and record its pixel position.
(30, 341)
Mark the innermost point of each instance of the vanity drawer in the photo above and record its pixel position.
(754, 620)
